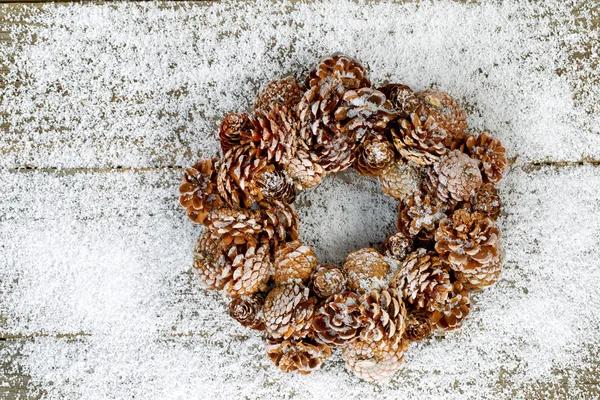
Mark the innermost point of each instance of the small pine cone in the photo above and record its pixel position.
(294, 262)
(250, 266)
(444, 109)
(423, 280)
(385, 313)
(400, 179)
(418, 326)
(285, 92)
(288, 311)
(213, 274)
(338, 320)
(280, 222)
(487, 201)
(455, 177)
(468, 241)
(302, 356)
(481, 277)
(421, 142)
(455, 310)
(274, 135)
(274, 184)
(403, 99)
(366, 270)
(342, 70)
(327, 280)
(362, 112)
(199, 193)
(232, 128)
(374, 361)
(234, 225)
(419, 214)
(304, 170)
(397, 246)
(247, 310)
(374, 155)
(491, 153)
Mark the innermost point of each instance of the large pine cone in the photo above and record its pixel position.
(288, 311)
(487, 200)
(304, 169)
(274, 184)
(338, 320)
(280, 222)
(366, 270)
(423, 280)
(455, 177)
(274, 135)
(327, 280)
(481, 277)
(491, 153)
(374, 155)
(385, 314)
(468, 241)
(403, 99)
(418, 326)
(455, 310)
(233, 127)
(285, 92)
(397, 245)
(294, 262)
(419, 214)
(247, 310)
(234, 225)
(199, 191)
(372, 361)
(302, 355)
(249, 265)
(400, 179)
(207, 266)
(443, 109)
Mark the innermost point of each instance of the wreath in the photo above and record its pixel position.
(416, 142)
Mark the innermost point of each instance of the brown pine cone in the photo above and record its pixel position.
(400, 179)
(455, 310)
(481, 277)
(443, 109)
(327, 280)
(374, 155)
(418, 326)
(403, 99)
(274, 135)
(455, 177)
(274, 184)
(419, 141)
(385, 313)
(338, 320)
(337, 153)
(423, 280)
(487, 201)
(280, 222)
(247, 310)
(199, 191)
(304, 170)
(468, 241)
(207, 266)
(303, 355)
(232, 128)
(285, 92)
(234, 225)
(491, 153)
(419, 214)
(372, 361)
(288, 311)
(397, 246)
(250, 267)
(363, 112)
(294, 262)
(366, 270)
(341, 69)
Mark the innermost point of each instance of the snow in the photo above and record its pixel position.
(107, 255)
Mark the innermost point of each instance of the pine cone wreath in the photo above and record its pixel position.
(375, 361)
(294, 262)
(397, 246)
(455, 177)
(400, 179)
(374, 155)
(403, 99)
(327, 280)
(247, 310)
(418, 326)
(199, 193)
(366, 270)
(297, 355)
(419, 214)
(339, 319)
(232, 129)
(285, 92)
(487, 201)
(490, 153)
(288, 311)
(455, 310)
(385, 313)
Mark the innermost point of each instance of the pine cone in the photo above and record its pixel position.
(239, 169)
(455, 310)
(304, 355)
(400, 179)
(441, 107)
(285, 92)
(288, 311)
(234, 225)
(481, 277)
(423, 280)
(374, 155)
(327, 280)
(294, 262)
(397, 246)
(274, 135)
(366, 270)
(371, 361)
(487, 201)
(337, 153)
(232, 129)
(212, 274)
(247, 310)
(418, 326)
(468, 241)
(340, 69)
(199, 192)
(274, 184)
(250, 267)
(304, 170)
(280, 222)
(419, 214)
(385, 313)
(419, 141)
(338, 320)
(455, 177)
(403, 99)
(491, 153)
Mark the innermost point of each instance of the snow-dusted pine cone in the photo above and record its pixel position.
(232, 128)
(340, 70)
(403, 99)
(207, 266)
(274, 135)
(419, 214)
(234, 226)
(487, 200)
(421, 142)
(327, 280)
(397, 246)
(288, 311)
(374, 155)
(250, 267)
(400, 179)
(339, 320)
(455, 177)
(247, 310)
(304, 170)
(372, 361)
(455, 309)
(443, 109)
(274, 184)
(366, 270)
(480, 277)
(294, 262)
(297, 355)
(385, 313)
(490, 153)
(285, 92)
(418, 326)
(199, 193)
(280, 222)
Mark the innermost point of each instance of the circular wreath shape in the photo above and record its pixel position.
(419, 147)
